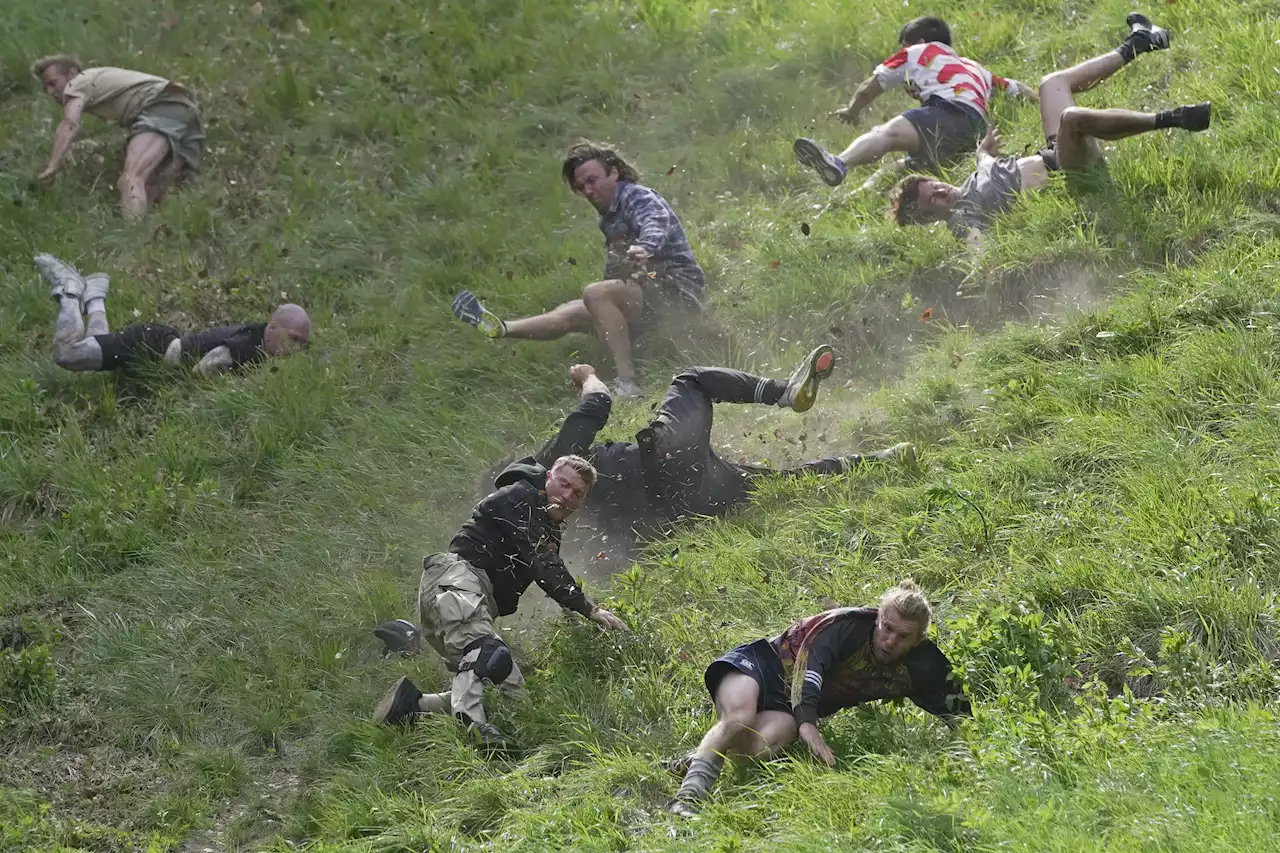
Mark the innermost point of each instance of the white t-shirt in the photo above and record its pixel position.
(935, 70)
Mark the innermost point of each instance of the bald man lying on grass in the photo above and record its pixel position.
(210, 351)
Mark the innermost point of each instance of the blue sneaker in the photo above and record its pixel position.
(813, 155)
(469, 309)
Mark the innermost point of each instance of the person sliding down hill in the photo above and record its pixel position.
(166, 132)
(649, 269)
(671, 471)
(769, 692)
(953, 93)
(1071, 135)
(511, 540)
(208, 352)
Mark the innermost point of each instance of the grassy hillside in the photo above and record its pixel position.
(190, 568)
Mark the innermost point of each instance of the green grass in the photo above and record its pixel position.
(191, 567)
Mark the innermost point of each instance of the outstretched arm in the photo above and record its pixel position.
(64, 136)
(1015, 89)
(867, 91)
(580, 427)
(556, 582)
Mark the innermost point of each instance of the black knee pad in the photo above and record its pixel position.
(494, 663)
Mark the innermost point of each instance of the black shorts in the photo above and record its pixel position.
(140, 339)
(760, 661)
(1049, 154)
(947, 131)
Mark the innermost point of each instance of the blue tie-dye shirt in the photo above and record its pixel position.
(641, 217)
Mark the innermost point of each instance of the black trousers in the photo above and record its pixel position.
(683, 475)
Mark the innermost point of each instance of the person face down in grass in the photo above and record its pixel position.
(511, 540)
(770, 692)
(92, 346)
(649, 269)
(1072, 137)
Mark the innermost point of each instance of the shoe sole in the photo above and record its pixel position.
(1159, 35)
(486, 322)
(1208, 117)
(57, 273)
(382, 714)
(817, 366)
(810, 154)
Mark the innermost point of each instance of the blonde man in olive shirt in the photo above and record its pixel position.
(166, 134)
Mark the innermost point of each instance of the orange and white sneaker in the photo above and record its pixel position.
(802, 387)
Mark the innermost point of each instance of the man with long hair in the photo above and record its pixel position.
(649, 269)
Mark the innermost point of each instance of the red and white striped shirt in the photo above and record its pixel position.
(935, 70)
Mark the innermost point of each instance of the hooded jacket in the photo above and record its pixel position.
(511, 538)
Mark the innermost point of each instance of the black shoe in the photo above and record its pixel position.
(1144, 35)
(487, 736)
(400, 636)
(400, 704)
(1194, 116)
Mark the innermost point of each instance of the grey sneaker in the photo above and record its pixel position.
(96, 286)
(62, 278)
(904, 452)
(626, 386)
(680, 808)
(802, 387)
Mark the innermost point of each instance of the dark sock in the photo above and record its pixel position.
(770, 391)
(700, 777)
(1169, 118)
(1126, 51)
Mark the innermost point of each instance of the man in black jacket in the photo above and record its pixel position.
(511, 540)
(78, 346)
(671, 471)
(769, 692)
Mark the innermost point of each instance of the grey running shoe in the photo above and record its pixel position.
(904, 452)
(802, 387)
(96, 286)
(680, 808)
(626, 386)
(831, 169)
(400, 704)
(62, 278)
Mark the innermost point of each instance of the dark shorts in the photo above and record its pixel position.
(1049, 154)
(141, 339)
(176, 118)
(947, 131)
(760, 661)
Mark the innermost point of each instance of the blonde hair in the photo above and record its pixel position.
(910, 602)
(63, 62)
(582, 467)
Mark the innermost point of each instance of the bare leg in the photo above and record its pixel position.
(164, 179)
(740, 730)
(143, 155)
(613, 305)
(1057, 88)
(556, 323)
(897, 134)
(71, 348)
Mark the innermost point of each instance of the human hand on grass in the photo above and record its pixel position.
(990, 143)
(47, 176)
(605, 619)
(809, 734)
